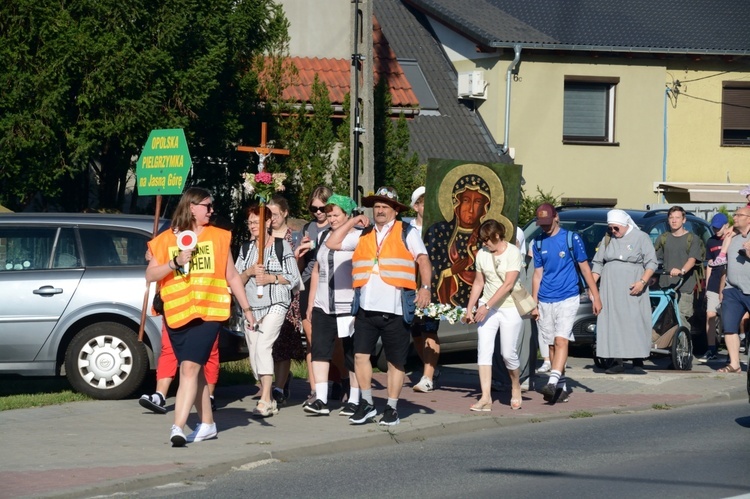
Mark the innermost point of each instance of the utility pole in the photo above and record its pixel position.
(362, 170)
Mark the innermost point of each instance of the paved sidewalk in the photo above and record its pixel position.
(101, 447)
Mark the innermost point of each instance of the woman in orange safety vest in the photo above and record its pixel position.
(193, 285)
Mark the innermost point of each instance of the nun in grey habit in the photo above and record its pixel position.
(624, 261)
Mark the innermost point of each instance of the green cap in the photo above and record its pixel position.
(344, 202)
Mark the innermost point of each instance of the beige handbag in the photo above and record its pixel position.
(525, 303)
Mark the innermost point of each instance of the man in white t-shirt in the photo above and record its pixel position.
(384, 268)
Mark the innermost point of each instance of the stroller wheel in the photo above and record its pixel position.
(682, 350)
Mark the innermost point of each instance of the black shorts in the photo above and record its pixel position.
(325, 334)
(193, 341)
(390, 328)
(424, 326)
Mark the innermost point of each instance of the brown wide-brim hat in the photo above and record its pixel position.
(387, 195)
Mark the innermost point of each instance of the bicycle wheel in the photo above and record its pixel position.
(682, 350)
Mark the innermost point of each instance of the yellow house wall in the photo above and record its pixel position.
(625, 172)
(694, 150)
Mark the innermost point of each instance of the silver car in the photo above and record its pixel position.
(71, 296)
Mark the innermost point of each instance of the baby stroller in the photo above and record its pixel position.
(669, 337)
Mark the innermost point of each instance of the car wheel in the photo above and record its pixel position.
(106, 361)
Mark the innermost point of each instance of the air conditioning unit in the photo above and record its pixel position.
(471, 85)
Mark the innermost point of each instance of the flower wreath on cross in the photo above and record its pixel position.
(263, 184)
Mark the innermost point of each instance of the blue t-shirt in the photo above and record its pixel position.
(560, 277)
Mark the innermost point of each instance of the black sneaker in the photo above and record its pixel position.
(310, 399)
(559, 395)
(348, 410)
(364, 412)
(318, 407)
(548, 391)
(390, 417)
(154, 403)
(278, 396)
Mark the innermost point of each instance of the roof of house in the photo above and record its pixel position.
(454, 131)
(336, 75)
(685, 27)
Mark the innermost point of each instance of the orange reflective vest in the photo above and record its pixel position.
(202, 294)
(395, 263)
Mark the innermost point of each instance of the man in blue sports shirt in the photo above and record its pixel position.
(555, 287)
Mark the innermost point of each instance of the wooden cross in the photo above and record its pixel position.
(263, 152)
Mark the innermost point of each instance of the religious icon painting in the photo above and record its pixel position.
(459, 197)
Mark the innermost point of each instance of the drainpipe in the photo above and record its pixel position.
(664, 157)
(511, 67)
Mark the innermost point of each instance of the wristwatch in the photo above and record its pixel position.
(426, 286)
(247, 309)
(277, 278)
(643, 282)
(486, 306)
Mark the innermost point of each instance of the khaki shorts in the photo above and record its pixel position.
(557, 319)
(712, 301)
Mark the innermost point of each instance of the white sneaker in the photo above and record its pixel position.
(424, 385)
(202, 432)
(177, 437)
(525, 385)
(546, 366)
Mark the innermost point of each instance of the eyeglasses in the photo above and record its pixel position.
(384, 191)
(276, 216)
(317, 209)
(740, 215)
(253, 222)
(208, 206)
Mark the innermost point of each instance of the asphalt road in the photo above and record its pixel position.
(696, 452)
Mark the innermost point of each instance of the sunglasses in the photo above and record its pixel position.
(384, 191)
(208, 206)
(317, 209)
(614, 229)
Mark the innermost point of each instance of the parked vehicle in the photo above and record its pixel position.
(591, 225)
(71, 299)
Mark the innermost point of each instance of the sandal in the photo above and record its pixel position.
(729, 369)
(265, 409)
(515, 404)
(481, 407)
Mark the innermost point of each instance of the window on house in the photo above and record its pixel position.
(589, 110)
(735, 113)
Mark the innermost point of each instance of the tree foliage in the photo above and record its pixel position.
(394, 165)
(527, 210)
(84, 82)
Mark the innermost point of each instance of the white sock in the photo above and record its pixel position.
(554, 377)
(354, 396)
(321, 390)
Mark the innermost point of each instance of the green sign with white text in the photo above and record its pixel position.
(164, 164)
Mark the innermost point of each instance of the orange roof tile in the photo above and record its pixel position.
(336, 75)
